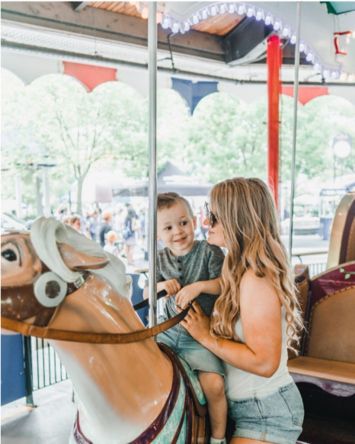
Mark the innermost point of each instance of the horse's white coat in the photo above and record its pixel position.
(98, 420)
(122, 388)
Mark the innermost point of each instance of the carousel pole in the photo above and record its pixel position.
(294, 133)
(274, 61)
(152, 233)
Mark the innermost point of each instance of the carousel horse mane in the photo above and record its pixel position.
(48, 233)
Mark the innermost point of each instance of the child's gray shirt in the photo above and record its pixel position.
(202, 263)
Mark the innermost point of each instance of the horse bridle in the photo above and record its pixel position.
(45, 332)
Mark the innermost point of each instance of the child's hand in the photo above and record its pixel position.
(172, 286)
(186, 295)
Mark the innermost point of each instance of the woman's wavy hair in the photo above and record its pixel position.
(246, 211)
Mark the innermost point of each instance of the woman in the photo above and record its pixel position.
(256, 316)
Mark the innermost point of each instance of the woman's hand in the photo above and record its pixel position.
(197, 323)
(186, 295)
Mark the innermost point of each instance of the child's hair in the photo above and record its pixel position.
(246, 211)
(111, 236)
(167, 200)
(74, 218)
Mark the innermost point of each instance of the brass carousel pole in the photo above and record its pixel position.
(152, 232)
(294, 133)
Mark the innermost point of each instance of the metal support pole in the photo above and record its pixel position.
(46, 192)
(152, 235)
(28, 371)
(274, 61)
(294, 134)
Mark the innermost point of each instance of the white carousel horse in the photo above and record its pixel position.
(58, 279)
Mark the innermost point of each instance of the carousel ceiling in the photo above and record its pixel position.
(232, 33)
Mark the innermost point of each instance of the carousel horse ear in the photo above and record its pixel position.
(76, 260)
(49, 289)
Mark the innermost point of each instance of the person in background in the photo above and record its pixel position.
(130, 226)
(106, 226)
(111, 243)
(75, 222)
(188, 269)
(256, 317)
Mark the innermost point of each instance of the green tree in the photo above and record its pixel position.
(64, 124)
(225, 140)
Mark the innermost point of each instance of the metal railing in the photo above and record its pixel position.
(46, 368)
(316, 260)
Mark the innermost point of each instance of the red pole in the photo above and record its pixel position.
(274, 60)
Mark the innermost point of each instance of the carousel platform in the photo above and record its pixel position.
(49, 422)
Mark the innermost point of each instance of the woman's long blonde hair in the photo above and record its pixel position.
(246, 211)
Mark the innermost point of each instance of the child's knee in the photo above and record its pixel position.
(212, 384)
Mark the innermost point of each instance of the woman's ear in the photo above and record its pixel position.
(194, 221)
(76, 260)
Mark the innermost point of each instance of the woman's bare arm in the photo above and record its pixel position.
(261, 321)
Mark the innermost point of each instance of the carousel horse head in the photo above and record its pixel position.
(41, 268)
(57, 282)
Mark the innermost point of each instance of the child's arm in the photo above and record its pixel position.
(172, 286)
(191, 291)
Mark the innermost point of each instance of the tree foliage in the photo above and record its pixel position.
(54, 120)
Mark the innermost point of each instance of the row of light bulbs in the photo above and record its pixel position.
(284, 30)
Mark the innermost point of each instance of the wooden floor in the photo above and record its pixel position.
(51, 421)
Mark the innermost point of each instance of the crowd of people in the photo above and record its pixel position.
(120, 230)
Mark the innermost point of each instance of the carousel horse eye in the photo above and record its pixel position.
(49, 289)
(52, 289)
(9, 255)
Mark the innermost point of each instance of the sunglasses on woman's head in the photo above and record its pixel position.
(212, 219)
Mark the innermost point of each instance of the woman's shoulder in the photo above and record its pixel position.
(251, 283)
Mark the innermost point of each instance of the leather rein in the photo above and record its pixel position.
(45, 332)
(89, 337)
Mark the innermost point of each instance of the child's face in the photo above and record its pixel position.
(176, 228)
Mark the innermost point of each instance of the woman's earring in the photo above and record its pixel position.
(50, 290)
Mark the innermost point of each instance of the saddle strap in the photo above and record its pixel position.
(90, 337)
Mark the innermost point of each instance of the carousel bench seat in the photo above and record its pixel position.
(328, 353)
(336, 371)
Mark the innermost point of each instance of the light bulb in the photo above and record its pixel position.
(259, 15)
(309, 57)
(268, 19)
(176, 27)
(204, 14)
(286, 31)
(231, 8)
(277, 25)
(166, 23)
(241, 9)
(223, 8)
(250, 12)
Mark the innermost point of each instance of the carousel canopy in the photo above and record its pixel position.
(233, 32)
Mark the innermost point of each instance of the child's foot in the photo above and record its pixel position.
(217, 440)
